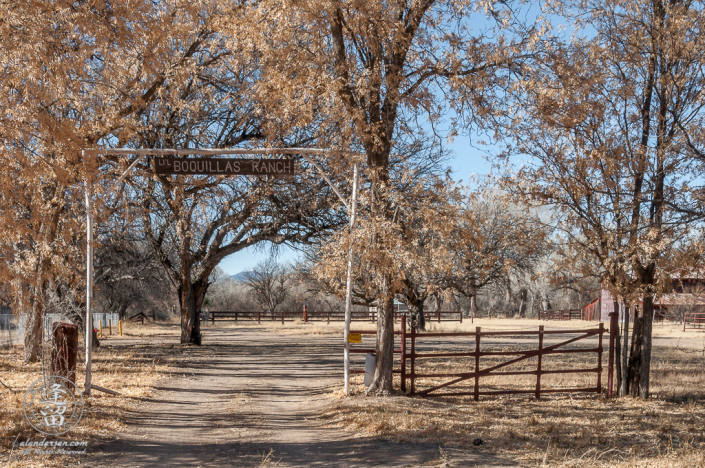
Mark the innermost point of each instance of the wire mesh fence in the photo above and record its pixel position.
(12, 327)
(11, 330)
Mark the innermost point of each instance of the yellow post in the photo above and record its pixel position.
(100, 328)
(120, 326)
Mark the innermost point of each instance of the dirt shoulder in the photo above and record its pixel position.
(251, 397)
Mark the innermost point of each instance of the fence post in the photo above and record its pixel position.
(614, 329)
(120, 327)
(259, 317)
(412, 375)
(110, 327)
(599, 358)
(439, 315)
(305, 314)
(477, 362)
(403, 353)
(100, 328)
(538, 363)
(212, 318)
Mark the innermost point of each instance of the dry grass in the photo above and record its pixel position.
(562, 431)
(558, 430)
(131, 370)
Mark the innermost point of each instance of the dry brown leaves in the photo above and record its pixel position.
(131, 371)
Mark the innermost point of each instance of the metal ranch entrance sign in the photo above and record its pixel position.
(216, 166)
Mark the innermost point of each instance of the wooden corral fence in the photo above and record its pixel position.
(322, 316)
(567, 314)
(408, 361)
(139, 317)
(694, 321)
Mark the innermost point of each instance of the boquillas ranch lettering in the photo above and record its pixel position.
(214, 166)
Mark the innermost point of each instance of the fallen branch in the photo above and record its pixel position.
(105, 390)
(7, 387)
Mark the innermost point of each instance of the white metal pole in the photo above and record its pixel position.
(89, 263)
(348, 292)
(89, 281)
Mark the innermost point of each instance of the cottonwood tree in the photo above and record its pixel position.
(74, 75)
(427, 220)
(384, 69)
(128, 276)
(268, 282)
(194, 222)
(493, 241)
(612, 122)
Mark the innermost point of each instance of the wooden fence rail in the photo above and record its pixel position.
(567, 314)
(409, 356)
(694, 321)
(320, 316)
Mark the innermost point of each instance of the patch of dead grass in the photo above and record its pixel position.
(558, 430)
(130, 370)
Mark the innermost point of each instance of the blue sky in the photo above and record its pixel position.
(466, 160)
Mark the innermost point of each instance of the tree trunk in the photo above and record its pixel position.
(416, 312)
(384, 351)
(33, 332)
(522, 302)
(647, 323)
(190, 324)
(634, 370)
(473, 308)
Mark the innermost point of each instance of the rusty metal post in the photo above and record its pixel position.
(65, 352)
(538, 363)
(403, 353)
(478, 334)
(305, 314)
(614, 330)
(599, 358)
(412, 375)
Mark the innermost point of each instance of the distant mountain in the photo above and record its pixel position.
(240, 277)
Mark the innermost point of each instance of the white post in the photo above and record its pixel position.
(89, 262)
(89, 281)
(348, 292)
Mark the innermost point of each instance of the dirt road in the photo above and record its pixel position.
(251, 398)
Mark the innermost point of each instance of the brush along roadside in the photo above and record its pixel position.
(132, 370)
